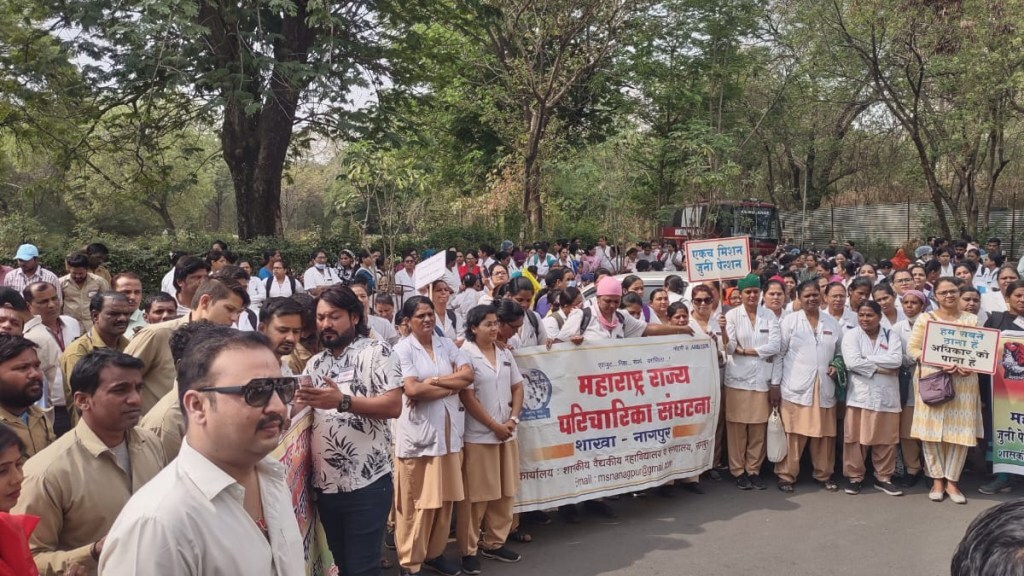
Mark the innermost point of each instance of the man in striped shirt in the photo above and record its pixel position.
(29, 271)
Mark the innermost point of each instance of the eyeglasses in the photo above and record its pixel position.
(702, 300)
(258, 392)
(947, 293)
(409, 261)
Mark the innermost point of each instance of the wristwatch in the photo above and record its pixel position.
(515, 419)
(346, 403)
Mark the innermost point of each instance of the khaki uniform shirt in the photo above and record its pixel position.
(77, 489)
(76, 351)
(152, 345)
(36, 435)
(76, 298)
(167, 422)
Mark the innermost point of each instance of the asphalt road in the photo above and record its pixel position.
(729, 532)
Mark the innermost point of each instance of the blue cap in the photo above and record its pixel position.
(27, 252)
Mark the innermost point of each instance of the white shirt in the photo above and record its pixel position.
(420, 430)
(866, 388)
(282, 289)
(993, 302)
(751, 372)
(904, 328)
(257, 294)
(364, 369)
(542, 264)
(49, 352)
(451, 278)
(527, 336)
(885, 321)
(627, 327)
(407, 282)
(383, 328)
(314, 278)
(807, 353)
(190, 520)
(464, 301)
(493, 388)
(551, 322)
(674, 261)
(452, 331)
(167, 283)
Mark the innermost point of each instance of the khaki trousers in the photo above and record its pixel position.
(720, 431)
(910, 447)
(496, 517)
(420, 533)
(746, 447)
(883, 456)
(823, 457)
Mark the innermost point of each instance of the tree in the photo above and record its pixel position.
(270, 70)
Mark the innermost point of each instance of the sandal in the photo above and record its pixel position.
(786, 487)
(520, 537)
(385, 563)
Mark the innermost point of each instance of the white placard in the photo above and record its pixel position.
(429, 270)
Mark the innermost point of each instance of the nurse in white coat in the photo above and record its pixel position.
(802, 386)
(754, 340)
(873, 355)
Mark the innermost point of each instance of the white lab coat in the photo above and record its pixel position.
(804, 354)
(750, 372)
(866, 387)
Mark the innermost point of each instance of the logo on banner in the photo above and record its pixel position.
(537, 397)
(1013, 361)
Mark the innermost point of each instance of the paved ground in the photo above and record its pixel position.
(728, 532)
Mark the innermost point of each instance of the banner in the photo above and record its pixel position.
(718, 258)
(1008, 405)
(614, 416)
(295, 453)
(970, 348)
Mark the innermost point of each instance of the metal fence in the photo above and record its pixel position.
(893, 224)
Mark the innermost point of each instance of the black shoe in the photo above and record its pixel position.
(442, 566)
(666, 490)
(600, 508)
(569, 514)
(743, 482)
(756, 482)
(888, 487)
(910, 480)
(714, 475)
(539, 517)
(853, 488)
(501, 554)
(470, 565)
(693, 488)
(829, 485)
(389, 540)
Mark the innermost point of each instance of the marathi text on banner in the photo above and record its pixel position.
(970, 348)
(614, 416)
(718, 258)
(295, 453)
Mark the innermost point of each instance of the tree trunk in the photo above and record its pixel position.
(536, 120)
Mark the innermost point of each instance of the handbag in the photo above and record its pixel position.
(936, 388)
(776, 445)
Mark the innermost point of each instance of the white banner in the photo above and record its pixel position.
(717, 258)
(614, 416)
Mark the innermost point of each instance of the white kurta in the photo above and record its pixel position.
(867, 388)
(751, 372)
(805, 356)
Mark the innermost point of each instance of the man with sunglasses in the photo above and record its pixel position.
(78, 485)
(222, 506)
(354, 396)
(215, 301)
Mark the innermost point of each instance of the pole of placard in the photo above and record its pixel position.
(1013, 224)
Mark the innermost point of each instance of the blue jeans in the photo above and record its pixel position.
(354, 523)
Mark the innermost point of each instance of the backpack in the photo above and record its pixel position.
(532, 317)
(270, 282)
(588, 315)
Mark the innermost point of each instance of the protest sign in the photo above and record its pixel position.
(1008, 405)
(718, 258)
(431, 269)
(294, 452)
(614, 416)
(970, 348)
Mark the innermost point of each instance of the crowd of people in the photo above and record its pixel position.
(135, 424)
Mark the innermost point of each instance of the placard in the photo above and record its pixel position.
(614, 416)
(429, 270)
(718, 258)
(295, 453)
(968, 347)
(1008, 405)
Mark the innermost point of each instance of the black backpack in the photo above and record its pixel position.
(451, 318)
(270, 281)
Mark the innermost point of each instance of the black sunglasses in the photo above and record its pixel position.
(258, 391)
(702, 300)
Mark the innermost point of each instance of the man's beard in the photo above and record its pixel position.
(333, 340)
(20, 398)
